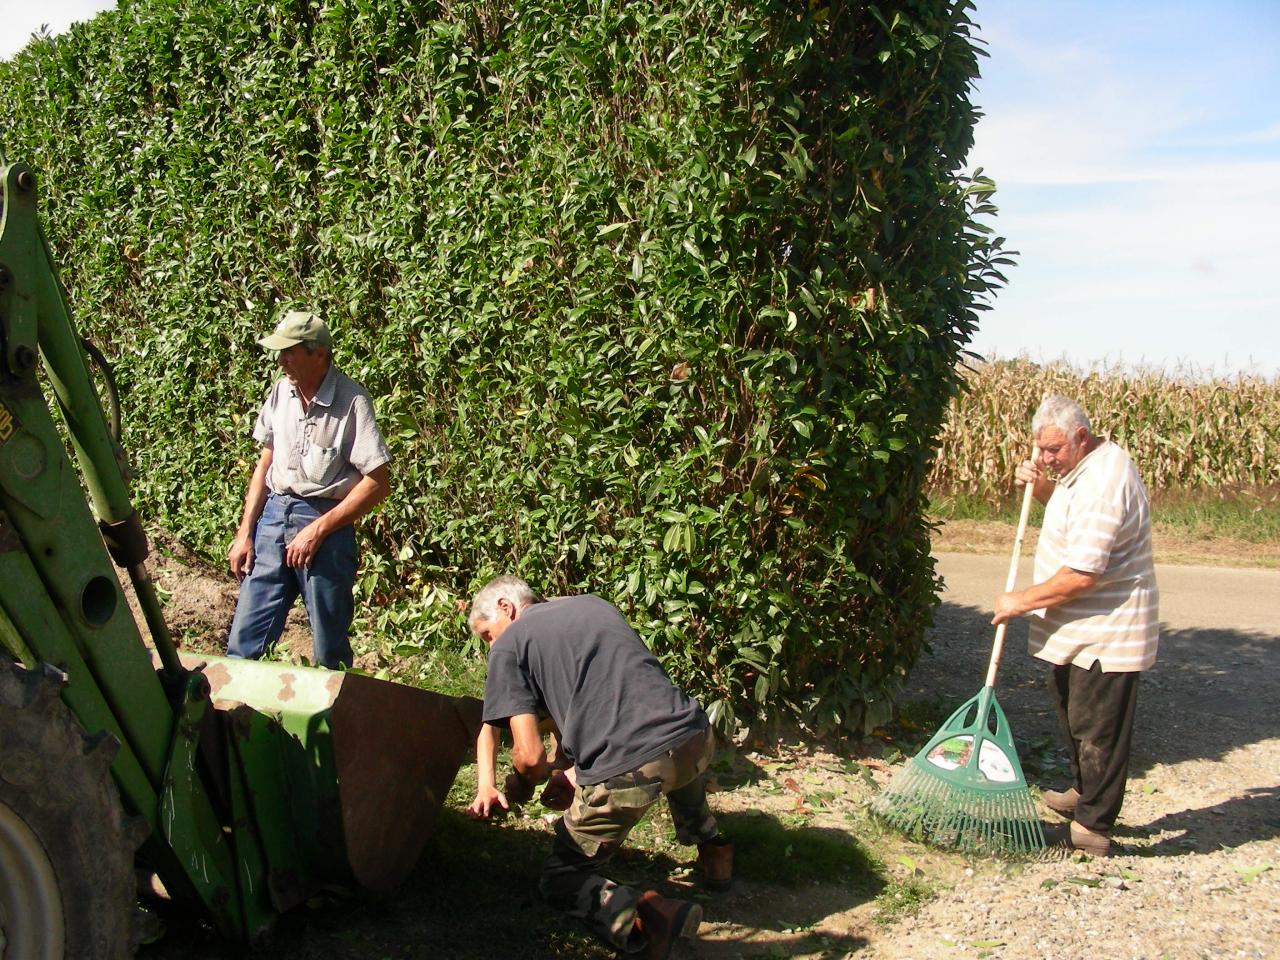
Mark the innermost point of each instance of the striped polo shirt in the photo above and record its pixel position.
(1098, 521)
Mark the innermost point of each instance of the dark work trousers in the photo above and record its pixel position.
(1096, 712)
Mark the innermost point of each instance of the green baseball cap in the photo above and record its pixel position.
(295, 327)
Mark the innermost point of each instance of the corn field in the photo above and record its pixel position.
(1185, 434)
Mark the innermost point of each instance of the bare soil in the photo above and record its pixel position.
(1170, 544)
(1197, 873)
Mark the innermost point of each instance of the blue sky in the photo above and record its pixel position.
(1136, 147)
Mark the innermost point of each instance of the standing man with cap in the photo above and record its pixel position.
(323, 466)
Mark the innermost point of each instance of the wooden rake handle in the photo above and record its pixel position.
(997, 648)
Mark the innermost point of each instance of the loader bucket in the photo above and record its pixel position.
(344, 774)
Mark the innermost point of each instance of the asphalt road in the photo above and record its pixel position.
(1203, 598)
(1219, 658)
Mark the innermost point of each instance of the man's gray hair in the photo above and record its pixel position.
(506, 587)
(311, 346)
(1062, 412)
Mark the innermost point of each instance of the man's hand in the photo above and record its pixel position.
(1030, 471)
(488, 802)
(558, 793)
(240, 556)
(1008, 606)
(518, 789)
(302, 549)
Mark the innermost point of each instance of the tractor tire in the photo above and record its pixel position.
(67, 886)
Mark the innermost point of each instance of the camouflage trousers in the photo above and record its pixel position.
(597, 823)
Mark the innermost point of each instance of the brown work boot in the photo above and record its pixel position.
(715, 858)
(1096, 843)
(1062, 801)
(663, 921)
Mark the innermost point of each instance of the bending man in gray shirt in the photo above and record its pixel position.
(627, 736)
(323, 466)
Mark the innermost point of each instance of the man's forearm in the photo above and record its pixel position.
(368, 492)
(1066, 584)
(557, 758)
(256, 496)
(487, 756)
(528, 756)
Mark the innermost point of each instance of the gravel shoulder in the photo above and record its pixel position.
(1198, 870)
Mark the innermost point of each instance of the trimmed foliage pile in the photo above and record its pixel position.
(656, 300)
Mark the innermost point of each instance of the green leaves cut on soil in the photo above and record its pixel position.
(599, 264)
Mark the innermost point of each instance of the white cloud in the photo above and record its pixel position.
(22, 18)
(1167, 271)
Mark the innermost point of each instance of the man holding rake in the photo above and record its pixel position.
(1093, 607)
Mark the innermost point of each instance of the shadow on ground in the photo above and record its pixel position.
(1208, 694)
(1251, 816)
(788, 879)
(474, 895)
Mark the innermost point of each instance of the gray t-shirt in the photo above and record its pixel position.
(579, 661)
(324, 450)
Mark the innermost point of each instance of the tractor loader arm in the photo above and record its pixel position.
(247, 785)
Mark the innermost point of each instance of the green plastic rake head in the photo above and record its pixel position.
(965, 789)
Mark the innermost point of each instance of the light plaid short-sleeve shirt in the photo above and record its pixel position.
(324, 449)
(1098, 521)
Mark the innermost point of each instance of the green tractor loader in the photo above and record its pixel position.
(243, 787)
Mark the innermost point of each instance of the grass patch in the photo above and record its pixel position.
(901, 899)
(442, 669)
(484, 876)
(767, 850)
(968, 506)
(1248, 514)
(1251, 514)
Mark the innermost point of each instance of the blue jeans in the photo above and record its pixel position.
(271, 587)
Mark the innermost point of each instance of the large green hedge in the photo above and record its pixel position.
(656, 300)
